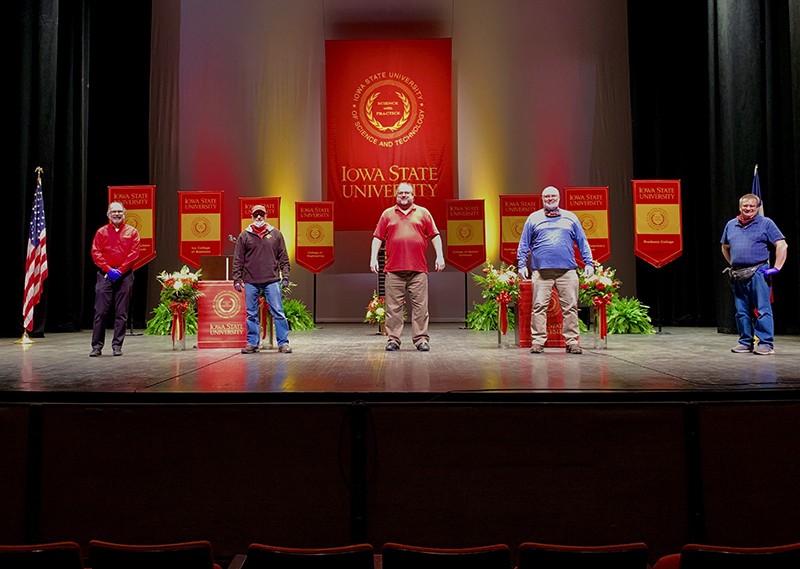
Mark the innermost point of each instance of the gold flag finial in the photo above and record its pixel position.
(756, 170)
(39, 172)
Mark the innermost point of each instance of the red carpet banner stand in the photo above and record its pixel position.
(657, 220)
(314, 235)
(591, 207)
(514, 210)
(273, 206)
(200, 225)
(140, 213)
(388, 121)
(221, 316)
(466, 243)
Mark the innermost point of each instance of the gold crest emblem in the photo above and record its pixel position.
(388, 110)
(227, 304)
(201, 226)
(657, 219)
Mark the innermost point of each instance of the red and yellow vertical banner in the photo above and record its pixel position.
(314, 235)
(140, 212)
(657, 220)
(514, 211)
(466, 234)
(200, 225)
(591, 207)
(272, 204)
(388, 121)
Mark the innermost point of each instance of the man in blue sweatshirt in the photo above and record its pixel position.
(548, 237)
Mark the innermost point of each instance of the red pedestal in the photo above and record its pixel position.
(555, 319)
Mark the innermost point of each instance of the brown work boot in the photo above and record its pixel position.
(574, 349)
(249, 349)
(285, 349)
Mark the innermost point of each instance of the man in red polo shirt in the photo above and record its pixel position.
(114, 250)
(406, 229)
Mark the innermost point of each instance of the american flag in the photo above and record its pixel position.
(36, 263)
(756, 191)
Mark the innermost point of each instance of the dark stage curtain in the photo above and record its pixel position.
(715, 90)
(48, 123)
(44, 126)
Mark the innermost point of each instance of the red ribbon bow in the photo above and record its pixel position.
(503, 299)
(178, 317)
(600, 303)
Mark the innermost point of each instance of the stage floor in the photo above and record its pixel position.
(347, 359)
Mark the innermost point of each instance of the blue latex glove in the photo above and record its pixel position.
(768, 271)
(114, 274)
(285, 282)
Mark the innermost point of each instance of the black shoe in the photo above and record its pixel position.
(249, 349)
(423, 347)
(392, 347)
(95, 353)
(117, 351)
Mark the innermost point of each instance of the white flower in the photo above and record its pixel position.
(379, 311)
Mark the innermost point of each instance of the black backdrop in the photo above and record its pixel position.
(715, 89)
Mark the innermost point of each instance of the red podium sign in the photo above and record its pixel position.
(591, 207)
(314, 235)
(514, 210)
(221, 316)
(200, 225)
(140, 212)
(657, 220)
(272, 204)
(466, 235)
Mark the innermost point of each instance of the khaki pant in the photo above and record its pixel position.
(566, 283)
(417, 286)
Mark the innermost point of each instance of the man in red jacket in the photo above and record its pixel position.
(114, 250)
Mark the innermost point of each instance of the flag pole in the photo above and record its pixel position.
(25, 340)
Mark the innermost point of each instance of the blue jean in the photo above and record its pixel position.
(272, 292)
(747, 296)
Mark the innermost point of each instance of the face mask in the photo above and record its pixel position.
(259, 223)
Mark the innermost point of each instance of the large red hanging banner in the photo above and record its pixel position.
(466, 235)
(657, 220)
(273, 206)
(389, 121)
(140, 212)
(514, 210)
(200, 225)
(314, 235)
(591, 207)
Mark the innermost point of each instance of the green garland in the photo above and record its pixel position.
(161, 323)
(484, 317)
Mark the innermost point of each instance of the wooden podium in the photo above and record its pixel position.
(216, 267)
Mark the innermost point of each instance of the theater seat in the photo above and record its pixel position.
(397, 556)
(545, 556)
(694, 556)
(61, 555)
(270, 557)
(187, 555)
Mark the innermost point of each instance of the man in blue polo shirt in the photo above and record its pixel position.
(745, 245)
(548, 236)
